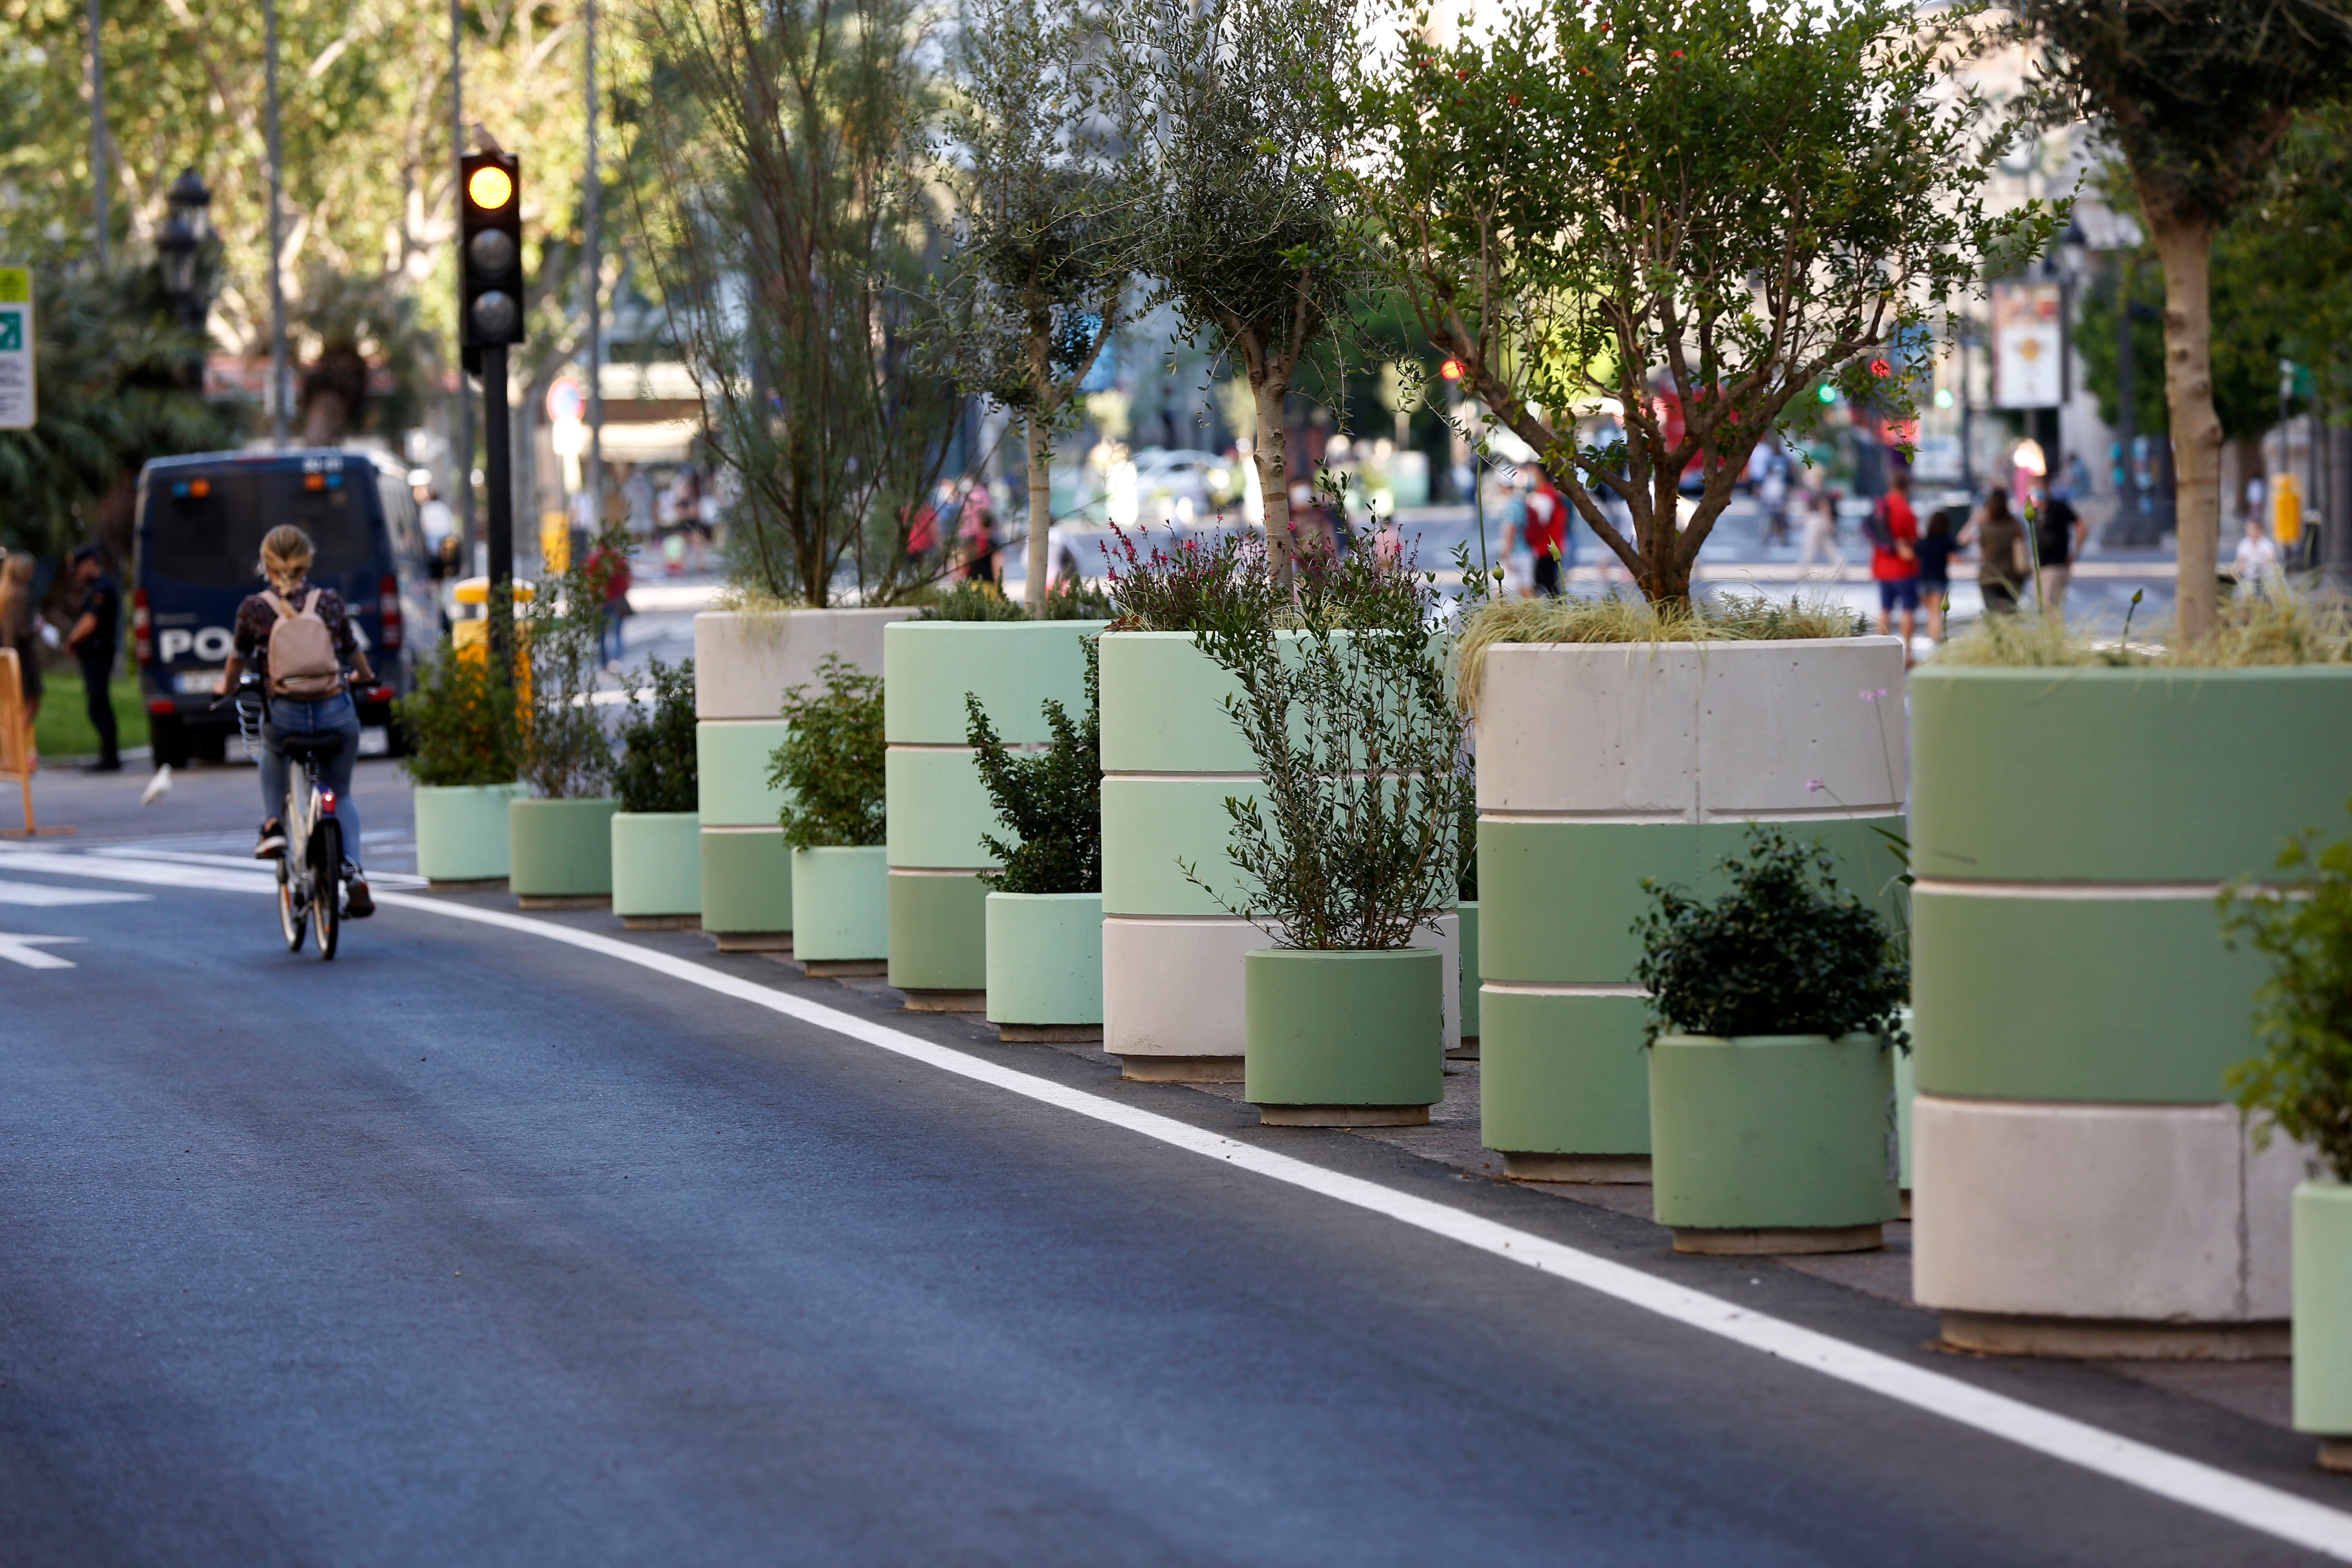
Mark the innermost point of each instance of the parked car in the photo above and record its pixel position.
(197, 545)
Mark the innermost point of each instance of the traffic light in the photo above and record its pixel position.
(490, 231)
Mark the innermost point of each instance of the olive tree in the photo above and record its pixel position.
(1243, 220)
(1693, 211)
(1038, 268)
(2198, 98)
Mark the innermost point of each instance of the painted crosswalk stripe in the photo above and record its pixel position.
(17, 947)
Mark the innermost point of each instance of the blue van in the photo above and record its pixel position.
(196, 556)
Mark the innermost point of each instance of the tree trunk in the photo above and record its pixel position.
(1041, 512)
(2186, 246)
(1271, 452)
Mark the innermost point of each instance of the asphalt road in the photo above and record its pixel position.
(471, 1247)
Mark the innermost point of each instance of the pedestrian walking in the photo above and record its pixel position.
(1547, 532)
(1893, 529)
(2003, 564)
(608, 571)
(1938, 542)
(97, 634)
(1513, 501)
(1819, 539)
(2258, 555)
(977, 532)
(2059, 531)
(1772, 498)
(20, 625)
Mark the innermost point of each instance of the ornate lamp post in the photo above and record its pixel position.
(187, 225)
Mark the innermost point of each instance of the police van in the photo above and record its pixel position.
(196, 552)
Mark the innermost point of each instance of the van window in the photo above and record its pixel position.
(214, 539)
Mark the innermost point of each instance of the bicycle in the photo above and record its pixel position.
(310, 867)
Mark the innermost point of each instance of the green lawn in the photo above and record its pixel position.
(63, 730)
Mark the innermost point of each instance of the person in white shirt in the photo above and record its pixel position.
(2258, 557)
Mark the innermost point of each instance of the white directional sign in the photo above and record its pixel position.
(17, 948)
(16, 348)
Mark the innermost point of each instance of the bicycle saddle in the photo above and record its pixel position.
(311, 748)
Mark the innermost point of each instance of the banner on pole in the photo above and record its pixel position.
(16, 409)
(2028, 348)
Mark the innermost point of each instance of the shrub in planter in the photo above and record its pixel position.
(460, 731)
(1044, 906)
(562, 836)
(2302, 1086)
(980, 601)
(656, 832)
(1771, 1084)
(1346, 853)
(830, 767)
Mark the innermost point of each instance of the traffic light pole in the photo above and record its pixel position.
(497, 431)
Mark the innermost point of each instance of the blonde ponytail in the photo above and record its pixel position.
(286, 555)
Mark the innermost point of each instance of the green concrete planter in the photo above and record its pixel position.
(1773, 1143)
(657, 865)
(461, 831)
(938, 807)
(2070, 829)
(1044, 964)
(840, 905)
(2322, 1314)
(562, 849)
(1600, 765)
(1468, 913)
(1344, 1039)
(745, 662)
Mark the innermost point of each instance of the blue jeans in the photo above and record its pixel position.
(608, 636)
(334, 716)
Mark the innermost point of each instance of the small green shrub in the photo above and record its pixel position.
(1784, 952)
(970, 601)
(1228, 583)
(656, 771)
(830, 764)
(1052, 800)
(459, 725)
(567, 754)
(2302, 1083)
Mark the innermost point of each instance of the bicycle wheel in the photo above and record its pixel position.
(293, 917)
(327, 884)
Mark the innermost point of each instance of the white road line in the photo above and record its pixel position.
(40, 895)
(2190, 1482)
(19, 947)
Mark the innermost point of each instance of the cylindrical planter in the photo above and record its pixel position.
(461, 832)
(745, 662)
(1466, 979)
(1344, 1039)
(841, 918)
(1172, 1005)
(2083, 1188)
(561, 852)
(1600, 764)
(2323, 1318)
(1773, 1143)
(657, 869)
(1045, 965)
(939, 807)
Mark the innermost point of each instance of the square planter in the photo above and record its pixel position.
(461, 832)
(657, 865)
(841, 908)
(1600, 765)
(1773, 1143)
(561, 851)
(1344, 1039)
(2323, 1318)
(1045, 965)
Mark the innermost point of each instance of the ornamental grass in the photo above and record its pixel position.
(1729, 618)
(2251, 631)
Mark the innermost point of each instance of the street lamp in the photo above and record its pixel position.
(192, 203)
(175, 246)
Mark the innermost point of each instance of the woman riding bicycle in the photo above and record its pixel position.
(291, 707)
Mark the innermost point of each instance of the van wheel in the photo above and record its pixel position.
(210, 745)
(169, 738)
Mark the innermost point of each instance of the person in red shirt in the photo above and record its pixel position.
(1894, 558)
(608, 573)
(1547, 531)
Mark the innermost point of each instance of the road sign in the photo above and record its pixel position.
(16, 348)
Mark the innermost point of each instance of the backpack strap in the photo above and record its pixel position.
(310, 604)
(269, 596)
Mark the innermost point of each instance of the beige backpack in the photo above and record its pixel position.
(302, 662)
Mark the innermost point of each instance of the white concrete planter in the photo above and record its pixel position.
(1601, 764)
(745, 662)
(1172, 995)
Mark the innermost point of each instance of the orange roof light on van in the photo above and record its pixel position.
(314, 481)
